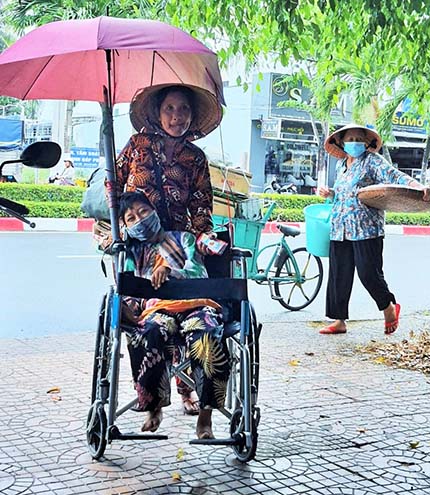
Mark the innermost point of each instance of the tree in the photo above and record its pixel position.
(25, 14)
(22, 15)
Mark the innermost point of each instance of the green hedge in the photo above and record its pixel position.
(290, 209)
(42, 193)
(295, 201)
(54, 209)
(49, 201)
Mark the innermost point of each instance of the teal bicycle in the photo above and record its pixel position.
(294, 276)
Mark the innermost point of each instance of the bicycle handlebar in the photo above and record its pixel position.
(268, 212)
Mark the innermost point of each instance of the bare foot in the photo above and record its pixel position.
(204, 424)
(153, 420)
(338, 326)
(190, 403)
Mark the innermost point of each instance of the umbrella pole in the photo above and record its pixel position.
(110, 169)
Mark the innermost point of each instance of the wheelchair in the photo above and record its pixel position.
(241, 330)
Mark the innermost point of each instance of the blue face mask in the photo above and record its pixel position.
(354, 149)
(145, 229)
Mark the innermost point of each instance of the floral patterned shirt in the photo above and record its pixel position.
(351, 219)
(177, 251)
(185, 181)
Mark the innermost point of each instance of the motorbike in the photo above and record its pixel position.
(41, 154)
(278, 188)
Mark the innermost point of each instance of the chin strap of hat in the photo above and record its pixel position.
(373, 144)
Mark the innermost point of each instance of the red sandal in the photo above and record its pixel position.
(392, 326)
(331, 329)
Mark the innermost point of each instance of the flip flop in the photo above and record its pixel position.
(395, 323)
(190, 406)
(331, 329)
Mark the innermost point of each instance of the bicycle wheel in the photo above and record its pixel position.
(300, 289)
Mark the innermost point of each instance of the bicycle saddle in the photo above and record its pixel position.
(288, 231)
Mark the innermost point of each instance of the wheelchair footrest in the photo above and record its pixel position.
(115, 434)
(216, 441)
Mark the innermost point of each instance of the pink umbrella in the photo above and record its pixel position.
(67, 60)
(106, 60)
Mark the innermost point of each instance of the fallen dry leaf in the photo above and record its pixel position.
(54, 390)
(412, 353)
(361, 430)
(176, 476)
(294, 362)
(180, 454)
(310, 353)
(380, 360)
(413, 444)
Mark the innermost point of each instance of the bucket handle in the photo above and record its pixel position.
(327, 202)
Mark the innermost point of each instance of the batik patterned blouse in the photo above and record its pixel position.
(177, 251)
(351, 219)
(186, 180)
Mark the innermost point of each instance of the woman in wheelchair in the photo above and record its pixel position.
(157, 328)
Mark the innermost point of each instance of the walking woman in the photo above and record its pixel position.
(357, 231)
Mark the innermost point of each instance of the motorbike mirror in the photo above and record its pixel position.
(41, 154)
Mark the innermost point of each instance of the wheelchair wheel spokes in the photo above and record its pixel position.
(96, 430)
(244, 383)
(102, 353)
(97, 421)
(302, 287)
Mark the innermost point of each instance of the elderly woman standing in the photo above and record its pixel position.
(357, 231)
(162, 162)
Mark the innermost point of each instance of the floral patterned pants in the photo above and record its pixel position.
(152, 344)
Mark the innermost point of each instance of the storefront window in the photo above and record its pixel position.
(291, 162)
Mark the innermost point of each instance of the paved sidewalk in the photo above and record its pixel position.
(332, 423)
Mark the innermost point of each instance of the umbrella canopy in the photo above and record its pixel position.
(66, 60)
(106, 60)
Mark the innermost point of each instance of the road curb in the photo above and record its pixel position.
(86, 224)
(270, 228)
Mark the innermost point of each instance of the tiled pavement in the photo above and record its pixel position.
(332, 423)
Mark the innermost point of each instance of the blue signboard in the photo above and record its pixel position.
(85, 157)
(11, 134)
(406, 120)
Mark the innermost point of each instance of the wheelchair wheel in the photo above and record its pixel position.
(241, 451)
(295, 295)
(102, 345)
(96, 430)
(235, 391)
(254, 349)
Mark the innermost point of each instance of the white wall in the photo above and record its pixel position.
(234, 133)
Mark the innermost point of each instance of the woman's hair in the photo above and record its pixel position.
(69, 161)
(127, 200)
(362, 132)
(186, 92)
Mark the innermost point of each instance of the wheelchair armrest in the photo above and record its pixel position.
(241, 253)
